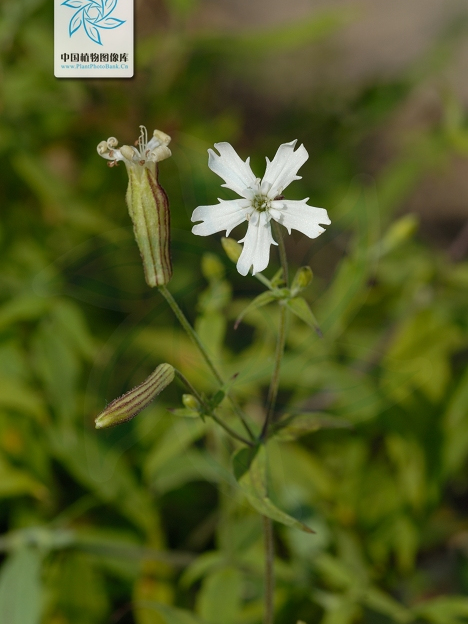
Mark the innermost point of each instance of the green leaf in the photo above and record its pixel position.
(260, 301)
(20, 588)
(301, 309)
(18, 396)
(219, 599)
(444, 610)
(253, 484)
(17, 482)
(242, 460)
(295, 426)
(385, 604)
(25, 308)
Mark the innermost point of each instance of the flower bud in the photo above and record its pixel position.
(232, 248)
(190, 402)
(301, 280)
(130, 404)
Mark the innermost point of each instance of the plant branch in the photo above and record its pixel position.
(209, 412)
(201, 347)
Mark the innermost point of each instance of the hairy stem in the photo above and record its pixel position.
(201, 347)
(268, 616)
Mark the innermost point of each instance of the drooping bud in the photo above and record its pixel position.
(232, 248)
(130, 404)
(147, 202)
(301, 280)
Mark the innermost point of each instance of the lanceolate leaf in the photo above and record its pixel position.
(300, 308)
(297, 425)
(253, 484)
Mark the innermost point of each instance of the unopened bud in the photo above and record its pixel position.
(190, 402)
(130, 404)
(232, 248)
(301, 280)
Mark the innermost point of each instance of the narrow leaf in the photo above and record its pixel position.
(253, 484)
(297, 425)
(20, 588)
(241, 461)
(130, 404)
(300, 308)
(258, 302)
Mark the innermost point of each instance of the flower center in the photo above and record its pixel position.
(261, 203)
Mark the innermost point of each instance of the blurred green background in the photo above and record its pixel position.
(142, 524)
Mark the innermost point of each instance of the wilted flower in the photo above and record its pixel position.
(146, 200)
(261, 201)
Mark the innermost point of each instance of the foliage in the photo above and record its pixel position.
(145, 523)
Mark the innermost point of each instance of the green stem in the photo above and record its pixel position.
(274, 384)
(201, 347)
(282, 251)
(209, 412)
(268, 616)
(281, 340)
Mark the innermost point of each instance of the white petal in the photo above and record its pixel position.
(235, 172)
(112, 154)
(297, 215)
(223, 216)
(282, 170)
(257, 241)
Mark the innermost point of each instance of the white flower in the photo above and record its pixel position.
(144, 156)
(261, 201)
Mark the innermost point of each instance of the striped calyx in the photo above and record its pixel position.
(148, 207)
(130, 404)
(146, 200)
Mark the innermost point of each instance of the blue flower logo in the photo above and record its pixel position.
(93, 15)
